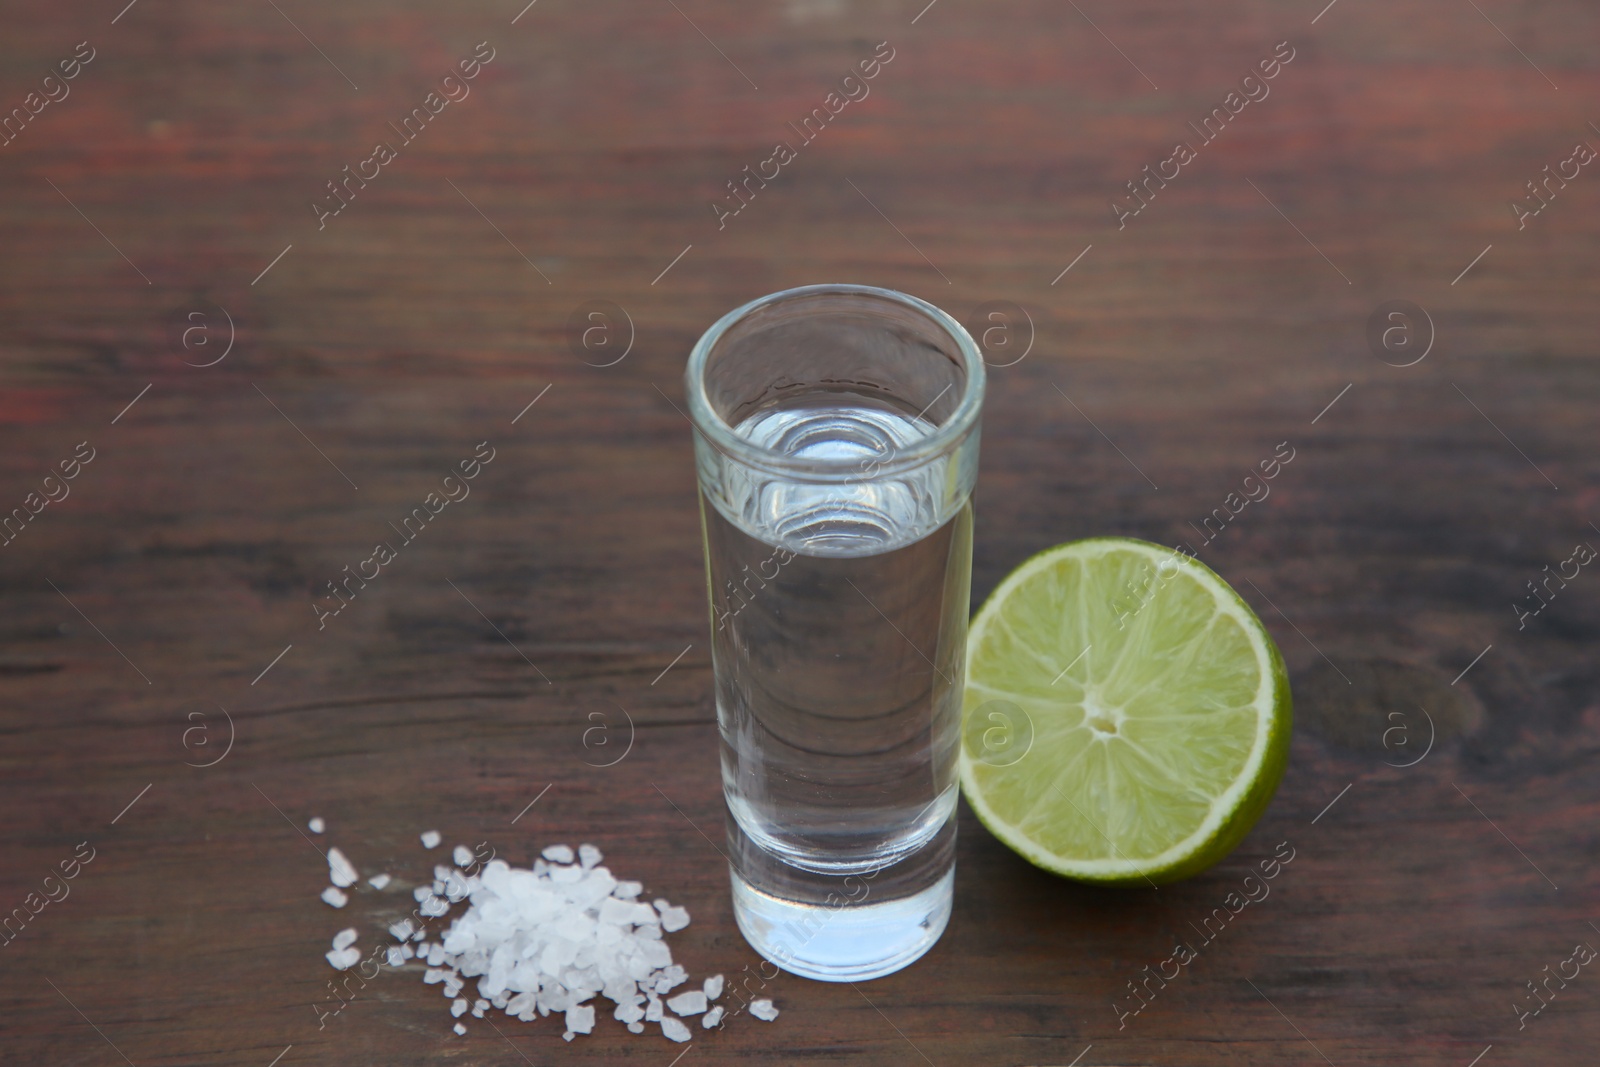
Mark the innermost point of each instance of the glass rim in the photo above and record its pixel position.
(716, 431)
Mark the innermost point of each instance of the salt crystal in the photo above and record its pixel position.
(341, 872)
(378, 881)
(460, 1029)
(690, 1003)
(547, 940)
(616, 912)
(343, 959)
(431, 839)
(335, 897)
(763, 1009)
(345, 938)
(316, 826)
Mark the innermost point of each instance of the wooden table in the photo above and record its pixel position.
(163, 207)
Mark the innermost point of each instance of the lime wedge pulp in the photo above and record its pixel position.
(1126, 717)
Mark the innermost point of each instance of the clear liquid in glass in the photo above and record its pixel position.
(839, 615)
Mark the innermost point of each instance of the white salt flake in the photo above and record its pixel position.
(690, 1003)
(336, 897)
(431, 839)
(547, 940)
(345, 938)
(378, 881)
(316, 825)
(341, 872)
(460, 1029)
(763, 1009)
(343, 959)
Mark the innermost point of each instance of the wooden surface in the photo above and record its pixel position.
(1386, 560)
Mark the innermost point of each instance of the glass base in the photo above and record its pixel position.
(843, 943)
(843, 928)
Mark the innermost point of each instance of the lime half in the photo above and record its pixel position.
(1126, 717)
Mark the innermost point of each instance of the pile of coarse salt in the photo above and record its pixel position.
(548, 940)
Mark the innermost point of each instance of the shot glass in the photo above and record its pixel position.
(836, 449)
